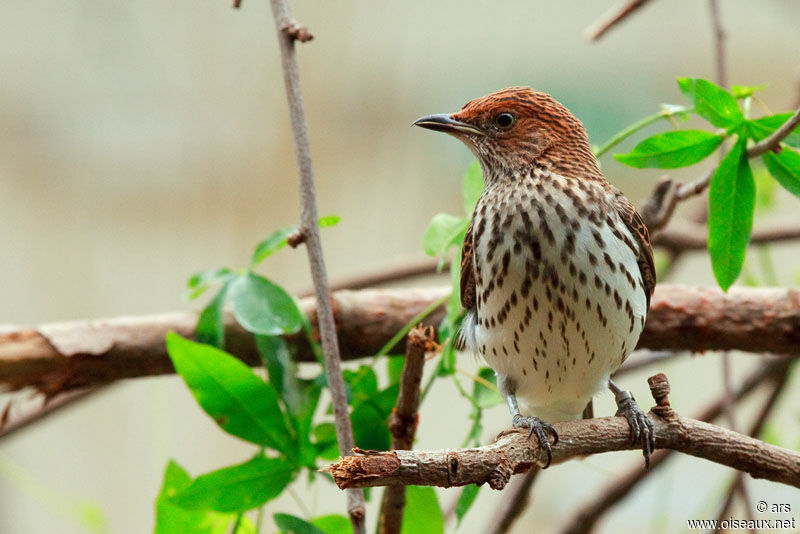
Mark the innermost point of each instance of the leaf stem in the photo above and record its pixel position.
(635, 127)
(408, 326)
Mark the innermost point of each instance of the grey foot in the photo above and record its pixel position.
(641, 427)
(540, 428)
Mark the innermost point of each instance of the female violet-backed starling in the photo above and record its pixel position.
(557, 269)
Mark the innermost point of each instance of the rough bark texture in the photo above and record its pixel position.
(62, 356)
(513, 452)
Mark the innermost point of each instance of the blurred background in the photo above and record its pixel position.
(143, 141)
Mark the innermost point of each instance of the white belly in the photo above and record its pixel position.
(560, 298)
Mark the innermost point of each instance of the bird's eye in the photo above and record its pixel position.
(505, 120)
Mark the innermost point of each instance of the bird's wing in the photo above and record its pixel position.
(638, 230)
(467, 272)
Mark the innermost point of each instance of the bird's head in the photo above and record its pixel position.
(513, 129)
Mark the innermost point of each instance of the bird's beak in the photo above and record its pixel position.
(442, 122)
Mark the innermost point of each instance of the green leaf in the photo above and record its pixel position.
(327, 447)
(240, 402)
(290, 524)
(237, 488)
(329, 220)
(333, 524)
(712, 102)
(743, 91)
(361, 384)
(731, 202)
(273, 243)
(761, 128)
(465, 500)
(472, 186)
(199, 283)
(210, 328)
(370, 430)
(263, 307)
(394, 368)
(443, 232)
(486, 397)
(671, 150)
(785, 167)
(422, 514)
(172, 519)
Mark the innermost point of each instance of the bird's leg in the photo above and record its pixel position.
(641, 427)
(534, 424)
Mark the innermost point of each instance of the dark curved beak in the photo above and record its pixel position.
(442, 122)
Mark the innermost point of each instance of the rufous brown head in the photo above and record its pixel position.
(513, 129)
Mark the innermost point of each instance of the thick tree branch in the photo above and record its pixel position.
(514, 452)
(403, 422)
(288, 32)
(62, 356)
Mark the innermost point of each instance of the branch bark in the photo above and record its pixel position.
(288, 32)
(403, 422)
(514, 452)
(57, 357)
(611, 18)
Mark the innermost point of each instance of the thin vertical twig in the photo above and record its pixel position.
(288, 31)
(403, 422)
(719, 44)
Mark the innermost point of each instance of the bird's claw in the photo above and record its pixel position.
(541, 429)
(641, 427)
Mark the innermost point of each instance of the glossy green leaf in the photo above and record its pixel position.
(290, 524)
(172, 519)
(370, 430)
(761, 128)
(785, 167)
(465, 501)
(210, 328)
(731, 202)
(443, 232)
(671, 150)
(325, 441)
(394, 368)
(472, 186)
(422, 514)
(199, 283)
(743, 91)
(237, 488)
(486, 397)
(712, 102)
(273, 243)
(263, 307)
(328, 221)
(240, 402)
(333, 524)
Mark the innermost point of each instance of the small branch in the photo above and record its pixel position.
(392, 274)
(514, 452)
(611, 18)
(660, 206)
(288, 31)
(517, 498)
(403, 422)
(773, 142)
(589, 514)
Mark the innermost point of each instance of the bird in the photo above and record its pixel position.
(557, 268)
